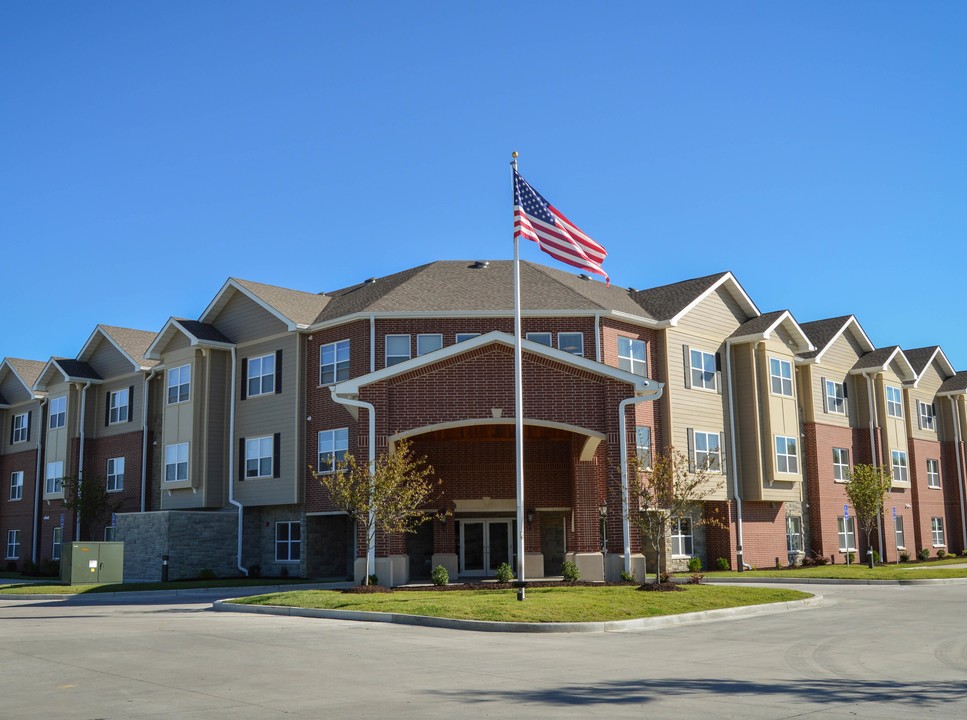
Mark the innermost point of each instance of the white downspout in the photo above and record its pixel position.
(231, 468)
(960, 470)
(144, 438)
(597, 337)
(371, 411)
(623, 449)
(38, 487)
(733, 459)
(80, 460)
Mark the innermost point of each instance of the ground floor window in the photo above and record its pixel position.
(110, 534)
(13, 544)
(936, 528)
(847, 533)
(58, 543)
(682, 537)
(794, 535)
(899, 533)
(288, 541)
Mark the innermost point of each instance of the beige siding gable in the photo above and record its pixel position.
(99, 421)
(12, 389)
(715, 318)
(838, 359)
(244, 320)
(108, 362)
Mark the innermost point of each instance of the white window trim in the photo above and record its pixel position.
(290, 543)
(533, 335)
(20, 433)
(846, 533)
(787, 454)
(781, 378)
(675, 532)
(708, 453)
(262, 375)
(258, 443)
(168, 386)
(797, 533)
(401, 358)
(647, 462)
(335, 361)
(57, 543)
(899, 533)
(932, 475)
(57, 476)
(13, 545)
(630, 359)
(834, 399)
(18, 486)
(703, 355)
(60, 415)
(335, 451)
(928, 421)
(114, 410)
(115, 474)
(840, 465)
(560, 345)
(421, 336)
(936, 524)
(177, 462)
(894, 456)
(891, 403)
(460, 337)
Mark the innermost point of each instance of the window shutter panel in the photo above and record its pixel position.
(277, 455)
(725, 467)
(688, 366)
(243, 392)
(30, 416)
(919, 417)
(845, 388)
(278, 373)
(241, 459)
(822, 384)
(107, 409)
(691, 449)
(13, 419)
(718, 373)
(131, 403)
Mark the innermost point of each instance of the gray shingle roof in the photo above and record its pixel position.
(456, 285)
(203, 331)
(134, 342)
(666, 301)
(822, 332)
(76, 368)
(757, 325)
(28, 370)
(957, 383)
(919, 357)
(300, 307)
(875, 359)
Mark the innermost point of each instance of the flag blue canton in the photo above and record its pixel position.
(531, 201)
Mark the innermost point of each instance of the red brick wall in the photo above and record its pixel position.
(954, 489)
(927, 502)
(17, 514)
(763, 533)
(96, 456)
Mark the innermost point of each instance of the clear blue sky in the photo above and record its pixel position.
(148, 151)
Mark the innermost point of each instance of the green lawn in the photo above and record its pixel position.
(58, 589)
(543, 605)
(934, 569)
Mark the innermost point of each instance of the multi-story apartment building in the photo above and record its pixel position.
(212, 431)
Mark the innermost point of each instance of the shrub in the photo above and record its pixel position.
(851, 557)
(904, 556)
(694, 564)
(628, 577)
(206, 574)
(504, 573)
(821, 560)
(695, 578)
(963, 553)
(570, 571)
(373, 580)
(941, 553)
(924, 554)
(723, 564)
(440, 576)
(876, 557)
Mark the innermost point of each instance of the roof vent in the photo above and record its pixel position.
(584, 277)
(369, 281)
(480, 265)
(632, 290)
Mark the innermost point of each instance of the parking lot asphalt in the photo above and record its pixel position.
(868, 652)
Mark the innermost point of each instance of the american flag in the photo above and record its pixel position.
(538, 220)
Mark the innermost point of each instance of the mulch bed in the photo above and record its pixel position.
(662, 587)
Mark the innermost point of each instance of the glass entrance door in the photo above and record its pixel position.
(485, 544)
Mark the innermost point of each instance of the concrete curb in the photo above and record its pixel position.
(162, 594)
(490, 626)
(831, 581)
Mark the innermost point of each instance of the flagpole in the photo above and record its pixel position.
(518, 410)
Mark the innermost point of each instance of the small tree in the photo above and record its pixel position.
(666, 492)
(89, 500)
(390, 498)
(866, 489)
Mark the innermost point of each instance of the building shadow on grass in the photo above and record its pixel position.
(640, 692)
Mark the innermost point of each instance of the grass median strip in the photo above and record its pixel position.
(58, 589)
(934, 570)
(543, 605)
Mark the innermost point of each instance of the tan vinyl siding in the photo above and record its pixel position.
(837, 361)
(100, 395)
(12, 389)
(894, 429)
(36, 427)
(178, 341)
(715, 318)
(214, 432)
(178, 426)
(265, 415)
(57, 443)
(243, 320)
(926, 392)
(108, 361)
(747, 420)
(780, 418)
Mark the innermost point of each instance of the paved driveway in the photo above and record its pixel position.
(874, 652)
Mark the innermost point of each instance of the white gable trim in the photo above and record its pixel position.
(858, 333)
(173, 326)
(231, 284)
(898, 354)
(30, 391)
(733, 286)
(88, 348)
(785, 318)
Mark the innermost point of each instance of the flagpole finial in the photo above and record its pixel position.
(513, 163)
(514, 154)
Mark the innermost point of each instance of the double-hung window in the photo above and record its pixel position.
(428, 343)
(333, 446)
(57, 543)
(898, 530)
(643, 446)
(397, 349)
(119, 406)
(572, 342)
(900, 472)
(928, 420)
(787, 454)
(334, 362)
(115, 474)
(936, 529)
(288, 541)
(176, 462)
(835, 397)
(13, 544)
(894, 401)
(259, 459)
(17, 485)
(702, 369)
(841, 464)
(19, 434)
(54, 479)
(261, 375)
(780, 375)
(708, 454)
(846, 527)
(58, 412)
(933, 474)
(631, 356)
(542, 338)
(681, 528)
(179, 384)
(794, 542)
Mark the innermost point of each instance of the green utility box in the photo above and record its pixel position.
(82, 563)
